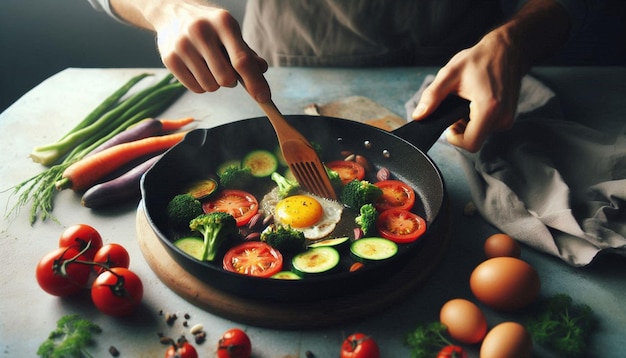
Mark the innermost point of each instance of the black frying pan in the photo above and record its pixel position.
(401, 151)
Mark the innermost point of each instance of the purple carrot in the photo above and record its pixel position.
(144, 129)
(119, 190)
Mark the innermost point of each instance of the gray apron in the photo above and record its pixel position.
(365, 32)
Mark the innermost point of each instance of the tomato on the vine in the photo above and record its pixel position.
(111, 255)
(117, 291)
(234, 343)
(452, 351)
(181, 350)
(78, 236)
(400, 226)
(60, 277)
(240, 204)
(359, 345)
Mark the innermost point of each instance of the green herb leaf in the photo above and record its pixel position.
(563, 326)
(426, 341)
(70, 339)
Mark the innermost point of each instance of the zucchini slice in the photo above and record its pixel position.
(316, 260)
(192, 246)
(373, 249)
(202, 188)
(286, 275)
(262, 163)
(336, 242)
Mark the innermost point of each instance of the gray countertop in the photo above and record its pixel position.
(27, 314)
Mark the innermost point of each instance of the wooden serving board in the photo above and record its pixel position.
(292, 315)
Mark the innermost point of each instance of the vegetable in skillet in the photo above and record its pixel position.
(285, 186)
(283, 238)
(335, 179)
(367, 219)
(261, 162)
(182, 209)
(236, 177)
(357, 193)
(216, 228)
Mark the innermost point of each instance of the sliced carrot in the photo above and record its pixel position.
(89, 170)
(171, 125)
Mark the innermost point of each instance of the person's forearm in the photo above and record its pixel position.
(536, 31)
(146, 13)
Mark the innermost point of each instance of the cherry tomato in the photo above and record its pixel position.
(359, 345)
(181, 350)
(400, 226)
(240, 204)
(78, 236)
(347, 170)
(254, 258)
(61, 279)
(111, 255)
(234, 343)
(117, 292)
(452, 351)
(396, 194)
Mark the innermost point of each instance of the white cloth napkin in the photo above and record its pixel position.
(554, 184)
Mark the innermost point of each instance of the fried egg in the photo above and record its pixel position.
(315, 216)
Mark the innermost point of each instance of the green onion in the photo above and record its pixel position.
(108, 119)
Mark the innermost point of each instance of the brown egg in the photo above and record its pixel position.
(498, 245)
(464, 320)
(507, 340)
(505, 283)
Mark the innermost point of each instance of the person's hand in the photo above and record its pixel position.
(203, 47)
(489, 76)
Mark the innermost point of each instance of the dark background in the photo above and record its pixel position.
(39, 38)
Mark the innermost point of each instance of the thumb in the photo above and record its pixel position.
(429, 101)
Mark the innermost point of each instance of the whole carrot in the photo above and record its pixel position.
(120, 190)
(146, 128)
(172, 125)
(89, 170)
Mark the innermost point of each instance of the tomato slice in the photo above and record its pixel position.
(347, 170)
(396, 195)
(253, 258)
(400, 226)
(240, 204)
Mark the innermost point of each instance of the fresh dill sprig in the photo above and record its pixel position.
(70, 339)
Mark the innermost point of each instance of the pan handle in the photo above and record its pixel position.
(423, 134)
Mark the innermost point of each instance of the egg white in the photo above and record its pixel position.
(323, 228)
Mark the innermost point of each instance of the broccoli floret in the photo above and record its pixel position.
(182, 209)
(367, 219)
(335, 179)
(236, 177)
(360, 192)
(216, 228)
(283, 238)
(286, 187)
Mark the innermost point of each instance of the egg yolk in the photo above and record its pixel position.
(299, 211)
